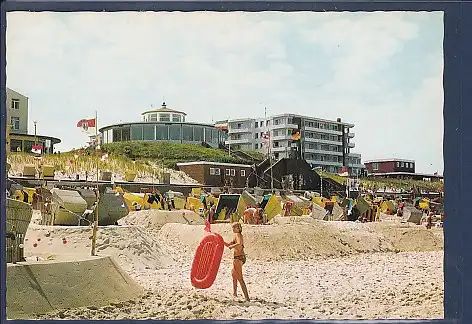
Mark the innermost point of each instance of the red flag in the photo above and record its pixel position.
(207, 226)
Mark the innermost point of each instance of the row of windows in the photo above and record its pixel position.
(321, 125)
(324, 147)
(322, 136)
(323, 157)
(408, 165)
(261, 124)
(228, 172)
(164, 117)
(177, 132)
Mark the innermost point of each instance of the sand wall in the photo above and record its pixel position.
(40, 287)
(303, 241)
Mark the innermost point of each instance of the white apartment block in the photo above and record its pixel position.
(321, 140)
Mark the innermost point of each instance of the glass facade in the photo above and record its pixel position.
(174, 132)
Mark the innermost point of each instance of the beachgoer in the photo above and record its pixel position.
(429, 220)
(237, 244)
(248, 215)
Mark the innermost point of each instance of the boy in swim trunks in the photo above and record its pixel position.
(238, 260)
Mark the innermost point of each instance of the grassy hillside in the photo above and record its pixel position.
(169, 153)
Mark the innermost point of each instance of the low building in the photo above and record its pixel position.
(215, 174)
(18, 139)
(390, 165)
(25, 142)
(163, 125)
(408, 175)
(397, 169)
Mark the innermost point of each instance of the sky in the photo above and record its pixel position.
(382, 71)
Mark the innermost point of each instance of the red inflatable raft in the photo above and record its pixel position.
(207, 261)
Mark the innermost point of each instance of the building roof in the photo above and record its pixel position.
(389, 160)
(313, 118)
(426, 175)
(213, 163)
(31, 137)
(164, 109)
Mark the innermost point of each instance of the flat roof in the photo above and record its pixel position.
(389, 160)
(314, 118)
(407, 173)
(156, 122)
(54, 140)
(213, 163)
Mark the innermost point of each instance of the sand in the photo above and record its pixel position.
(318, 270)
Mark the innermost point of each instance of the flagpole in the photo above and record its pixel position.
(270, 151)
(95, 223)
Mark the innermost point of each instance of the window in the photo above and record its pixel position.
(243, 173)
(398, 164)
(136, 133)
(256, 146)
(15, 104)
(402, 164)
(375, 166)
(407, 164)
(149, 132)
(233, 172)
(256, 136)
(176, 118)
(228, 172)
(198, 133)
(215, 171)
(15, 123)
(256, 124)
(152, 117)
(174, 132)
(162, 132)
(164, 117)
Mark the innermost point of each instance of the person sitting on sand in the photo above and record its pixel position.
(237, 244)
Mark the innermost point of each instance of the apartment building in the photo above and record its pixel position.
(323, 143)
(17, 112)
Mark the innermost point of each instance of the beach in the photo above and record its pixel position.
(303, 269)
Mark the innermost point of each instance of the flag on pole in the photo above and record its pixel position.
(89, 126)
(344, 172)
(37, 149)
(265, 139)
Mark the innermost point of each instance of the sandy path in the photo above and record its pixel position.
(368, 286)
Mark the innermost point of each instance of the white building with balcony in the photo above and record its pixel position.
(324, 143)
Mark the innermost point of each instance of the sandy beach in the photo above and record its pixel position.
(295, 269)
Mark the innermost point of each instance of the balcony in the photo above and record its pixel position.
(281, 137)
(322, 130)
(237, 141)
(307, 150)
(239, 130)
(351, 145)
(351, 135)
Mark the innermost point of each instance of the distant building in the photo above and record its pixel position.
(18, 139)
(216, 174)
(398, 169)
(324, 144)
(163, 125)
(390, 165)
